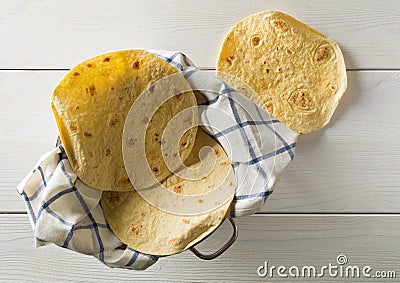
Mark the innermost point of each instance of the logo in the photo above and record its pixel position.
(340, 269)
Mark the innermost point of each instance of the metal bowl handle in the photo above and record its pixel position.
(220, 250)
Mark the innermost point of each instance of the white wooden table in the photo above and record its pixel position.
(340, 196)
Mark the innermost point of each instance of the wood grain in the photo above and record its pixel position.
(27, 128)
(59, 34)
(350, 166)
(281, 240)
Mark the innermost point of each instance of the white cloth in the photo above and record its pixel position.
(66, 212)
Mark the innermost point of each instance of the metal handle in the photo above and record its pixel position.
(220, 250)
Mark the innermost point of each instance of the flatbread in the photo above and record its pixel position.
(91, 103)
(151, 230)
(298, 73)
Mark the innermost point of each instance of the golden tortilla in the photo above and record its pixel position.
(91, 103)
(298, 73)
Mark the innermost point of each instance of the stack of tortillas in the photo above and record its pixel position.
(91, 105)
(298, 73)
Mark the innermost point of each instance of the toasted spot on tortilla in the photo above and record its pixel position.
(136, 65)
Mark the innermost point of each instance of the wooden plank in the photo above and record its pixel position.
(27, 128)
(280, 240)
(350, 166)
(59, 34)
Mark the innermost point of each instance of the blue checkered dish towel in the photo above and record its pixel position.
(66, 212)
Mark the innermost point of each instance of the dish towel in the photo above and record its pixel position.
(66, 212)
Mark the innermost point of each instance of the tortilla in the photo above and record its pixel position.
(91, 103)
(151, 230)
(298, 73)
